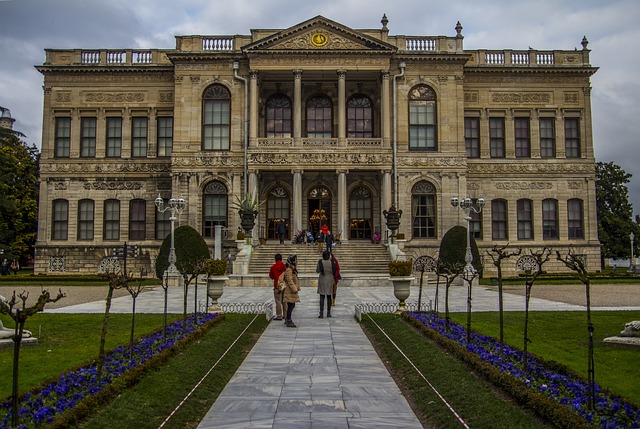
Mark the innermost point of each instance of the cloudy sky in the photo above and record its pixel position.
(28, 27)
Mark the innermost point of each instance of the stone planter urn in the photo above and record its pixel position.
(248, 220)
(401, 290)
(215, 289)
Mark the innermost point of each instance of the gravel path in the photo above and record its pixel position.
(74, 294)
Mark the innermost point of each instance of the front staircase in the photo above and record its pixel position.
(361, 263)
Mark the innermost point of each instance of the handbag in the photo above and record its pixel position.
(281, 283)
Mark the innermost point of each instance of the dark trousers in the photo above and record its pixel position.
(328, 304)
(290, 307)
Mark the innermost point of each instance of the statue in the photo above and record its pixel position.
(631, 329)
(7, 333)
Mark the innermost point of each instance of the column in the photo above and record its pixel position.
(342, 109)
(342, 204)
(386, 117)
(253, 108)
(386, 192)
(297, 200)
(297, 107)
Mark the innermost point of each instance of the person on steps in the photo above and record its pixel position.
(326, 268)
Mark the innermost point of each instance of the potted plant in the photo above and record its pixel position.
(400, 276)
(247, 206)
(216, 271)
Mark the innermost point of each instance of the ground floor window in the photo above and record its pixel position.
(423, 210)
(214, 208)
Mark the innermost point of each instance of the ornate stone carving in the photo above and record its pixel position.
(471, 97)
(114, 97)
(166, 97)
(432, 162)
(121, 167)
(102, 185)
(574, 185)
(63, 97)
(521, 97)
(530, 168)
(60, 186)
(571, 97)
(523, 185)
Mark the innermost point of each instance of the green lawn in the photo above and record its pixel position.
(563, 337)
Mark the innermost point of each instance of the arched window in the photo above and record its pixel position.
(550, 219)
(278, 116)
(138, 219)
(60, 221)
(359, 117)
(216, 120)
(85, 219)
(111, 220)
(319, 120)
(525, 219)
(360, 213)
(575, 219)
(277, 208)
(214, 208)
(422, 119)
(423, 210)
(499, 230)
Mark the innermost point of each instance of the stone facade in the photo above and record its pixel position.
(317, 118)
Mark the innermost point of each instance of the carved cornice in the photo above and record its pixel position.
(222, 160)
(313, 159)
(114, 97)
(432, 162)
(106, 167)
(523, 185)
(587, 168)
(522, 97)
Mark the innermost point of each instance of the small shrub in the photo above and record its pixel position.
(400, 268)
(215, 267)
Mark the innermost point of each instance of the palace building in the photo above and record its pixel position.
(325, 124)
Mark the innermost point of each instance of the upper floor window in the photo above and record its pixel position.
(137, 219)
(525, 219)
(114, 137)
(139, 135)
(423, 210)
(216, 121)
(278, 116)
(422, 118)
(575, 219)
(572, 137)
(165, 136)
(472, 137)
(319, 120)
(496, 138)
(547, 137)
(111, 219)
(60, 221)
(85, 219)
(359, 117)
(215, 203)
(549, 219)
(88, 137)
(62, 143)
(523, 138)
(499, 218)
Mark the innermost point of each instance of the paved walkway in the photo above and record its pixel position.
(322, 374)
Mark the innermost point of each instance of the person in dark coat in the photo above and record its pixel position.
(281, 228)
(326, 269)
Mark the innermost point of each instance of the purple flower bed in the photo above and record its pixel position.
(567, 390)
(40, 407)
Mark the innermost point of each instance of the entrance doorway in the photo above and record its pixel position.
(318, 209)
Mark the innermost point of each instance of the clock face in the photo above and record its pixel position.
(319, 38)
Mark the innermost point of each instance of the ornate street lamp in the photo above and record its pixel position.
(392, 216)
(176, 207)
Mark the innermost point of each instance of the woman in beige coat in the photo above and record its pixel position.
(291, 295)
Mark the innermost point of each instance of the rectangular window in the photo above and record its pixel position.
(114, 137)
(163, 222)
(472, 137)
(547, 137)
(422, 125)
(88, 137)
(165, 136)
(215, 213)
(549, 219)
(525, 220)
(216, 125)
(572, 137)
(111, 228)
(139, 137)
(137, 220)
(576, 219)
(63, 138)
(496, 137)
(85, 220)
(60, 220)
(523, 138)
(499, 220)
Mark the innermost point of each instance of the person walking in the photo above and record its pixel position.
(336, 277)
(276, 269)
(282, 230)
(325, 282)
(329, 240)
(291, 291)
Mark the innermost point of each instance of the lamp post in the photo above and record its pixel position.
(467, 206)
(632, 265)
(176, 207)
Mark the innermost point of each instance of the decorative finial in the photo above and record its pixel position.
(584, 43)
(384, 21)
(458, 29)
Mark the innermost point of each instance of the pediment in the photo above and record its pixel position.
(317, 34)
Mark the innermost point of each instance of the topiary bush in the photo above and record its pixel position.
(453, 248)
(215, 267)
(190, 248)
